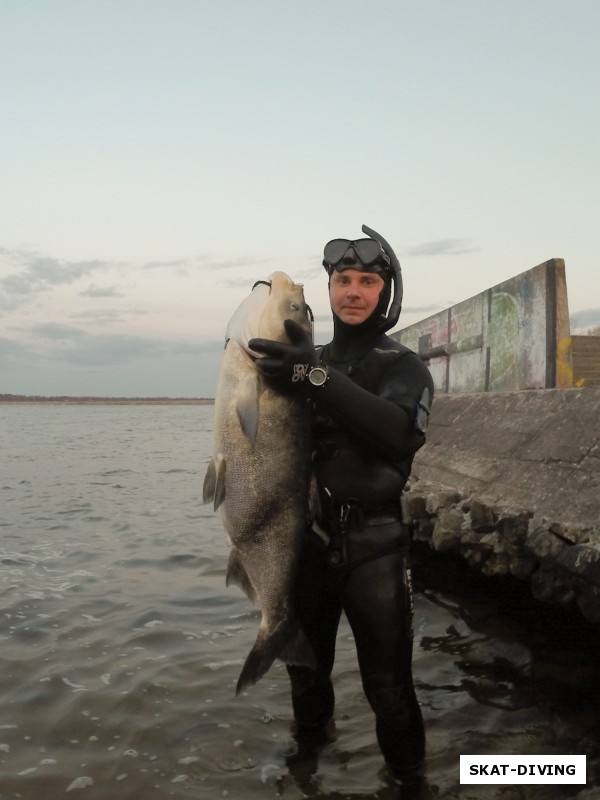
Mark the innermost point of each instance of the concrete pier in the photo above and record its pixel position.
(510, 481)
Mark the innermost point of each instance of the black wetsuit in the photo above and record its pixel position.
(367, 428)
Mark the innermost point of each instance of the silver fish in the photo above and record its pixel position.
(259, 476)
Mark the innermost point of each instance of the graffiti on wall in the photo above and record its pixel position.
(512, 336)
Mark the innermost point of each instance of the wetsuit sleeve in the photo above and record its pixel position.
(386, 420)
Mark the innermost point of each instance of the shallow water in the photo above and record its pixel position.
(121, 645)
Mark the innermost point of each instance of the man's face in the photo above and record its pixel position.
(354, 295)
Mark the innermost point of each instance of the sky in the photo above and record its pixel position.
(160, 156)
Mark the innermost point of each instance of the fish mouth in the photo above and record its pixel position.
(263, 283)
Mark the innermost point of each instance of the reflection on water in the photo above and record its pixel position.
(121, 645)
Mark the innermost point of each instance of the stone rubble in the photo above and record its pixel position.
(560, 562)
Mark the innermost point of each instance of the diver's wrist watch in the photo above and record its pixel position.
(318, 376)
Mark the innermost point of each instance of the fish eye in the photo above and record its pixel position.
(294, 306)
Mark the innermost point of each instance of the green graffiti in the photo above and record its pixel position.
(503, 338)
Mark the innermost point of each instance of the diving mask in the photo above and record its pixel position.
(368, 251)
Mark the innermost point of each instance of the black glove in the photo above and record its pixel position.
(286, 365)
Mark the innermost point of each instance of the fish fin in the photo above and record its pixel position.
(247, 409)
(258, 661)
(210, 481)
(287, 642)
(214, 482)
(298, 650)
(237, 575)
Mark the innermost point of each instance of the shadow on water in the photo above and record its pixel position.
(531, 669)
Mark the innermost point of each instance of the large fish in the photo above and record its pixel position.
(259, 475)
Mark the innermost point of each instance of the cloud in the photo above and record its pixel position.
(243, 282)
(70, 344)
(124, 367)
(587, 318)
(422, 309)
(179, 266)
(182, 266)
(94, 290)
(101, 316)
(57, 332)
(239, 262)
(316, 271)
(66, 360)
(37, 273)
(11, 351)
(442, 247)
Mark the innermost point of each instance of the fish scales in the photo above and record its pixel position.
(259, 476)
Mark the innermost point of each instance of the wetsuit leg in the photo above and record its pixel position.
(319, 610)
(377, 599)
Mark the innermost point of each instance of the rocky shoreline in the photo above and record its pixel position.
(560, 562)
(510, 484)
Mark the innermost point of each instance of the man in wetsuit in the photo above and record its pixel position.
(371, 398)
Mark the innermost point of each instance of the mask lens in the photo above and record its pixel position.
(335, 250)
(368, 250)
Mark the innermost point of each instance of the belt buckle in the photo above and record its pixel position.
(352, 517)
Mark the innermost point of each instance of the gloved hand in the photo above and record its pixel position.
(286, 365)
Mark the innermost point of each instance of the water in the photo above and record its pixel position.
(121, 646)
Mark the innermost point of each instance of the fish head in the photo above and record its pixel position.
(286, 301)
(263, 312)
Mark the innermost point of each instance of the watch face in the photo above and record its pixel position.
(317, 376)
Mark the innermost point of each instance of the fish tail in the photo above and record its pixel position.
(297, 650)
(288, 642)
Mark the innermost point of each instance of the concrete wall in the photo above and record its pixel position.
(510, 481)
(513, 336)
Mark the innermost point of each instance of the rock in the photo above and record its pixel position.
(588, 602)
(581, 560)
(542, 544)
(513, 527)
(569, 534)
(551, 585)
(483, 516)
(414, 507)
(522, 566)
(447, 530)
(445, 498)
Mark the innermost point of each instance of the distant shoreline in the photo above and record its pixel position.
(68, 400)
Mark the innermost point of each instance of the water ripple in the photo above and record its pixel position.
(121, 645)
